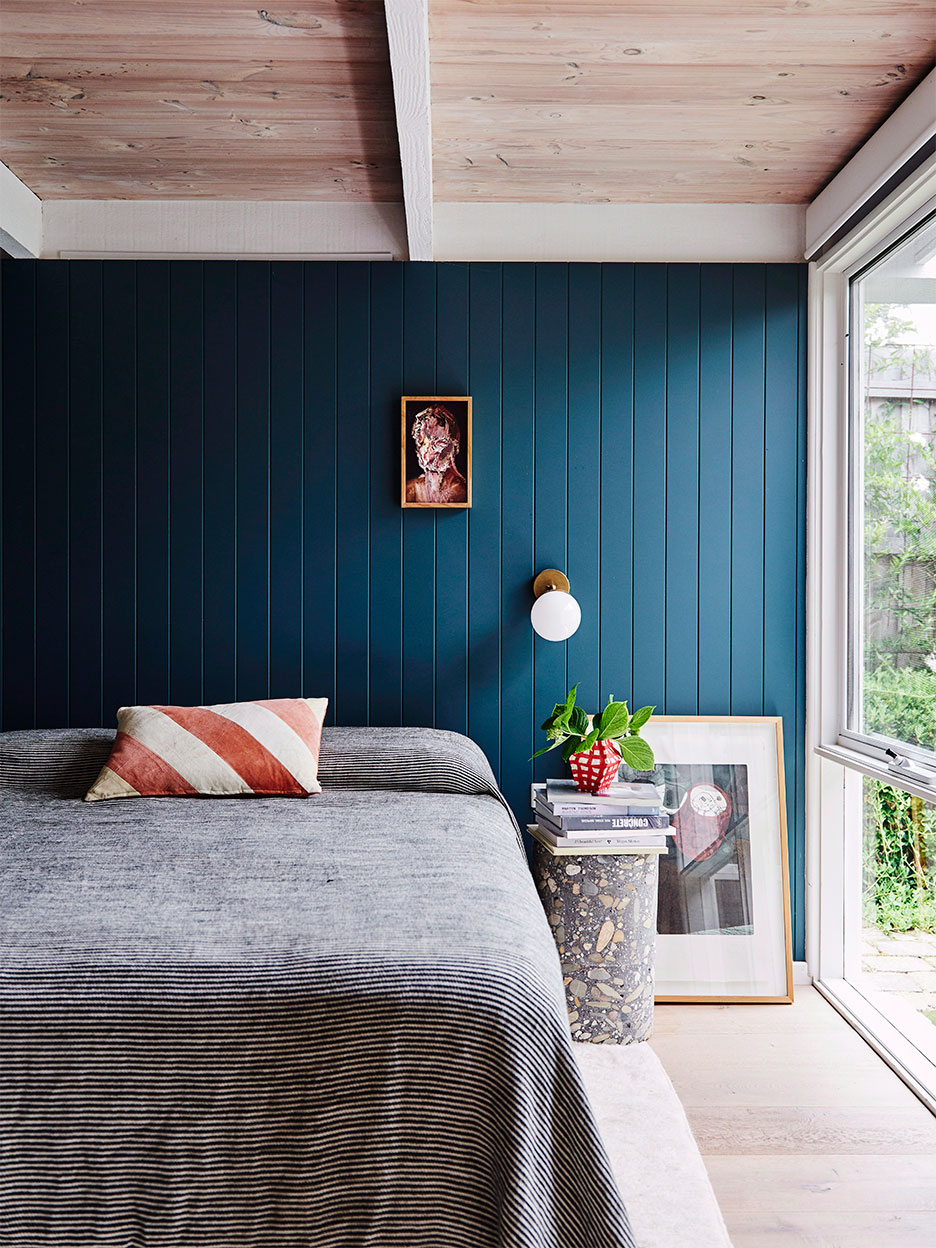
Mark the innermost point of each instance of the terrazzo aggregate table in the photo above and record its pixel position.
(602, 909)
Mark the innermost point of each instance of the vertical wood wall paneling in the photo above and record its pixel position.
(286, 380)
(51, 430)
(215, 501)
(649, 499)
(681, 619)
(319, 484)
(419, 523)
(780, 500)
(451, 586)
(485, 518)
(616, 481)
(219, 518)
(85, 449)
(186, 436)
(353, 495)
(118, 498)
(550, 485)
(152, 513)
(716, 415)
(18, 506)
(747, 492)
(586, 525)
(253, 483)
(386, 537)
(519, 725)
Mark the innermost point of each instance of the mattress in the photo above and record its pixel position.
(272, 1022)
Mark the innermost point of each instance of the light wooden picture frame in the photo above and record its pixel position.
(435, 451)
(723, 921)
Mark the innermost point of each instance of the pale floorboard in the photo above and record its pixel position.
(809, 1139)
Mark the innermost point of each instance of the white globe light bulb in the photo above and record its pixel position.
(555, 615)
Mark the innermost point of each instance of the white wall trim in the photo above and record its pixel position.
(408, 35)
(891, 145)
(634, 232)
(825, 602)
(222, 228)
(20, 217)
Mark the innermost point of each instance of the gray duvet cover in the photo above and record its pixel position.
(254, 1023)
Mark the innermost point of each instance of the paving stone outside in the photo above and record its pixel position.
(919, 1000)
(903, 963)
(903, 948)
(889, 981)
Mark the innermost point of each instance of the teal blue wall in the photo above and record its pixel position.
(200, 493)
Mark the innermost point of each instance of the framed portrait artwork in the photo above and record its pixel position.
(723, 917)
(436, 451)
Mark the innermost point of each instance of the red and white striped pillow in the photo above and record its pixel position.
(265, 749)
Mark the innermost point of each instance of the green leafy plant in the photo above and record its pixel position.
(900, 702)
(900, 612)
(899, 495)
(576, 731)
(899, 851)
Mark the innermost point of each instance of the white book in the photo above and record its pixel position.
(648, 839)
(586, 804)
(639, 793)
(562, 846)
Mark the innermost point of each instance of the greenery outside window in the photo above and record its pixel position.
(897, 955)
(892, 609)
(892, 598)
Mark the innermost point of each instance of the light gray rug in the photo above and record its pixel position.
(656, 1161)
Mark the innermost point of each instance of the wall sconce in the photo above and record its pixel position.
(555, 614)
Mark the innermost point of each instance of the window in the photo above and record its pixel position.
(897, 950)
(871, 625)
(891, 684)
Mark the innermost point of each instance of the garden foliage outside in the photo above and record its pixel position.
(899, 613)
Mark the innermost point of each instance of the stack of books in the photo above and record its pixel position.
(628, 816)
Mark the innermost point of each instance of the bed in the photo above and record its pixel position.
(265, 1023)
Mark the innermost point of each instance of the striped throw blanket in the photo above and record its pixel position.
(264, 1023)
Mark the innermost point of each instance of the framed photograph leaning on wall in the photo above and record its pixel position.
(724, 902)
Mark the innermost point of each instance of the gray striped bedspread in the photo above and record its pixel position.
(266, 1023)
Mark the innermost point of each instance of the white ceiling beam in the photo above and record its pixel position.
(20, 217)
(408, 34)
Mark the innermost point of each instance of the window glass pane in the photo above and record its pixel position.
(894, 569)
(898, 939)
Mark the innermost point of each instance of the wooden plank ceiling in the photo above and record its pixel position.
(170, 99)
(757, 101)
(751, 101)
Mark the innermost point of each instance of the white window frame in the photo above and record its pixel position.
(837, 758)
(872, 744)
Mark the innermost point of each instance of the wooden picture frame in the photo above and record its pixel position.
(448, 417)
(724, 775)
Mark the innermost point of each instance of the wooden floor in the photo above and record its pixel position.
(809, 1138)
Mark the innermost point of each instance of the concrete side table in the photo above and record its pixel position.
(602, 908)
